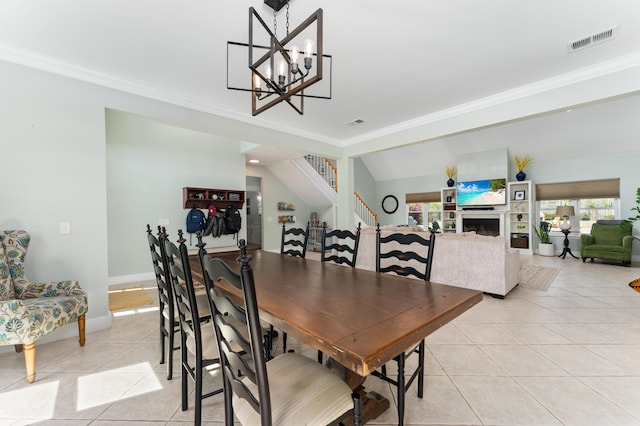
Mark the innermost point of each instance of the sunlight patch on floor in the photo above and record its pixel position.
(134, 311)
(108, 386)
(15, 404)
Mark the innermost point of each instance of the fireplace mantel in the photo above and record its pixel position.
(481, 214)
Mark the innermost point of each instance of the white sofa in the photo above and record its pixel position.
(465, 260)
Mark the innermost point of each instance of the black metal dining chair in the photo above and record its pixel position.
(340, 246)
(288, 389)
(169, 321)
(169, 325)
(293, 243)
(407, 255)
(265, 326)
(197, 342)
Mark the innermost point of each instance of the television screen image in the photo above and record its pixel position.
(488, 192)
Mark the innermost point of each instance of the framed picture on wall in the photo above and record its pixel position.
(519, 195)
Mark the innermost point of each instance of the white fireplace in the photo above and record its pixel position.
(472, 215)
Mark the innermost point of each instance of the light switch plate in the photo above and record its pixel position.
(163, 222)
(65, 228)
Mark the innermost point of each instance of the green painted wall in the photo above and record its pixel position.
(274, 191)
(364, 183)
(148, 164)
(53, 151)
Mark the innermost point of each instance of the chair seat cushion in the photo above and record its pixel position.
(604, 248)
(203, 308)
(303, 392)
(209, 343)
(24, 321)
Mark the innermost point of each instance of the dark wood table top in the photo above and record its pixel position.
(360, 318)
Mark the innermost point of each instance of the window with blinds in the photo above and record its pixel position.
(424, 208)
(592, 200)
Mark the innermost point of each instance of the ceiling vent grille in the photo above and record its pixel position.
(592, 40)
(356, 121)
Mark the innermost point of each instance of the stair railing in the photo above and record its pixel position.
(329, 173)
(364, 211)
(325, 168)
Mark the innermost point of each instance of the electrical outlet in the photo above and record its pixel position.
(65, 228)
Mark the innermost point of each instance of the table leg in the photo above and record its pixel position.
(372, 403)
(566, 249)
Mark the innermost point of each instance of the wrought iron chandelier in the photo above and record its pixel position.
(281, 69)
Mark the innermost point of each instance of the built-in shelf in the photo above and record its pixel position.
(449, 209)
(202, 198)
(520, 215)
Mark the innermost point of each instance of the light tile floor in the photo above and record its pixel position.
(568, 356)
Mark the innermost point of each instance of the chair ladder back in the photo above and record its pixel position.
(294, 241)
(168, 326)
(400, 258)
(182, 284)
(159, 260)
(400, 250)
(346, 253)
(227, 314)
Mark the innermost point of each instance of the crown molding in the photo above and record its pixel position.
(47, 64)
(54, 66)
(564, 80)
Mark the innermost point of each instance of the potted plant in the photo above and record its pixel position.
(521, 163)
(451, 172)
(545, 248)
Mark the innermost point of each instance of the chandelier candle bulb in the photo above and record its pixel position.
(308, 48)
(281, 75)
(294, 60)
(308, 53)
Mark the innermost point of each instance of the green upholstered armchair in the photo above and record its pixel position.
(611, 241)
(30, 310)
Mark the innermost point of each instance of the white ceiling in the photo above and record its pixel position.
(394, 63)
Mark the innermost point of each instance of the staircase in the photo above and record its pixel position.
(315, 180)
(363, 212)
(325, 169)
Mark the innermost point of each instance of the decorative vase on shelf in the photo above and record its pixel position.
(450, 182)
(521, 176)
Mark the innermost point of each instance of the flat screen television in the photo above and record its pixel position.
(489, 192)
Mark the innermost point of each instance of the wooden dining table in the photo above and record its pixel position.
(361, 319)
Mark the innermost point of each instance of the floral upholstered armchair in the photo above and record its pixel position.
(29, 310)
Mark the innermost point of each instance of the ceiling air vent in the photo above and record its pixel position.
(356, 121)
(592, 40)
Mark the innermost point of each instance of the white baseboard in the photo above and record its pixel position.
(146, 276)
(124, 279)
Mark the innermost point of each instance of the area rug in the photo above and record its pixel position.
(537, 277)
(128, 298)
